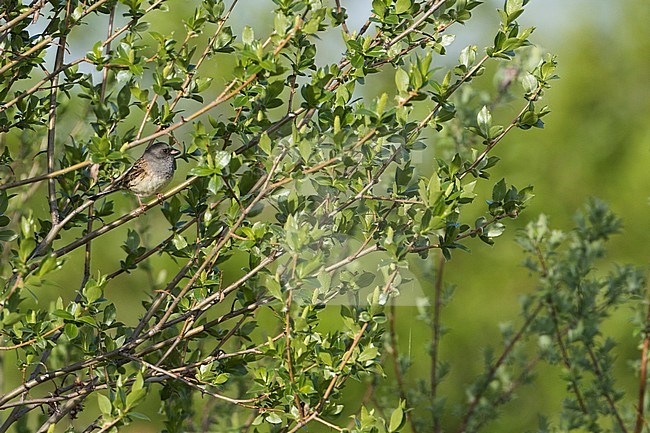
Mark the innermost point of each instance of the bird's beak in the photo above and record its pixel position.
(174, 152)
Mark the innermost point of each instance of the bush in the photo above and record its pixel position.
(294, 229)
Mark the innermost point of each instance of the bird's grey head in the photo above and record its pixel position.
(160, 151)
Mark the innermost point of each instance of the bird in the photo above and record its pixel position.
(148, 175)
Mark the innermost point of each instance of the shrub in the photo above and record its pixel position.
(301, 194)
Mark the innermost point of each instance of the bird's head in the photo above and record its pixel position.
(160, 150)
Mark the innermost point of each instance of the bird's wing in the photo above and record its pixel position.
(125, 180)
(132, 175)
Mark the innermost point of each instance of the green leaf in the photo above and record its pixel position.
(71, 330)
(105, 405)
(201, 171)
(365, 279)
(402, 6)
(11, 318)
(529, 82)
(484, 121)
(215, 183)
(499, 191)
(273, 418)
(397, 420)
(248, 35)
(93, 293)
(87, 320)
(63, 314)
(494, 230)
(221, 159)
(265, 143)
(179, 241)
(401, 80)
(368, 354)
(379, 7)
(134, 397)
(513, 6)
(139, 415)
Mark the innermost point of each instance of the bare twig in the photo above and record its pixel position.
(49, 238)
(33, 340)
(46, 176)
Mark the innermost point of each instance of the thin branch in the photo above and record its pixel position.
(392, 199)
(46, 176)
(107, 49)
(563, 351)
(49, 39)
(499, 137)
(287, 343)
(203, 390)
(47, 78)
(344, 24)
(36, 6)
(643, 376)
(217, 248)
(204, 55)
(120, 221)
(604, 391)
(432, 9)
(328, 424)
(495, 367)
(51, 127)
(60, 413)
(33, 340)
(346, 357)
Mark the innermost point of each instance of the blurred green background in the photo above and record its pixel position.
(596, 143)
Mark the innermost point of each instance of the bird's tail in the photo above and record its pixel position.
(101, 194)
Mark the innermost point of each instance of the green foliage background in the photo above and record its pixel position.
(596, 143)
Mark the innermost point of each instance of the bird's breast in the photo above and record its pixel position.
(151, 184)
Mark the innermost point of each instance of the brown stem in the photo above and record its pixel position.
(495, 367)
(287, 342)
(51, 127)
(344, 24)
(346, 357)
(566, 360)
(124, 219)
(435, 5)
(107, 49)
(605, 393)
(46, 176)
(643, 375)
(499, 137)
(36, 6)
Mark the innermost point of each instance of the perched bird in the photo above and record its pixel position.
(148, 175)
